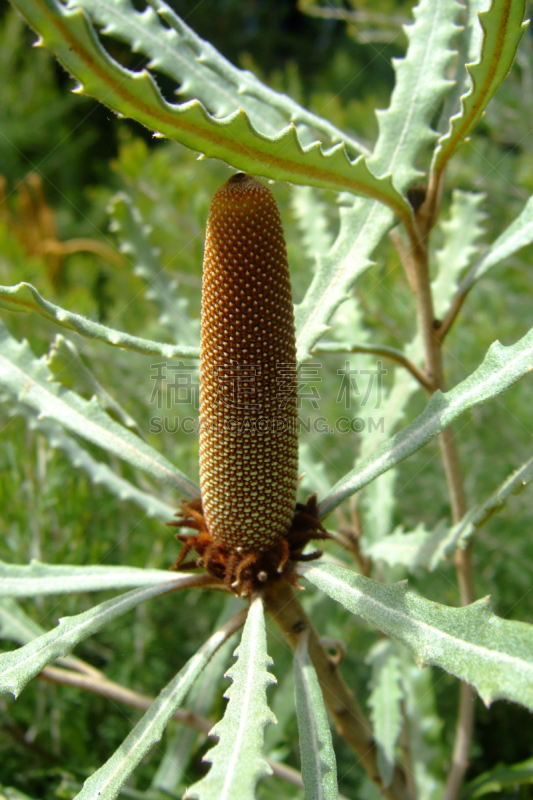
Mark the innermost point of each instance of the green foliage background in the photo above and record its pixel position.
(55, 514)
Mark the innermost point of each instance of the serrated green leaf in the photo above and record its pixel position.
(417, 549)
(65, 364)
(493, 654)
(499, 778)
(97, 471)
(69, 34)
(310, 212)
(469, 44)
(427, 549)
(236, 762)
(517, 235)
(29, 380)
(461, 234)
(15, 624)
(501, 367)
(18, 667)
(319, 767)
(386, 695)
(36, 578)
(24, 297)
(503, 28)
(379, 498)
(109, 779)
(362, 226)
(203, 72)
(183, 743)
(127, 223)
(421, 82)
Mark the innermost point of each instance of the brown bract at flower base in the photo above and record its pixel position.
(250, 530)
(242, 571)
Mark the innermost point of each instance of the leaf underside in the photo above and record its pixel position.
(319, 767)
(29, 380)
(236, 762)
(70, 35)
(18, 667)
(501, 368)
(494, 655)
(107, 782)
(503, 29)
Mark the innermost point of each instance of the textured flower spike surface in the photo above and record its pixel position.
(249, 527)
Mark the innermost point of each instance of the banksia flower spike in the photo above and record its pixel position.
(249, 526)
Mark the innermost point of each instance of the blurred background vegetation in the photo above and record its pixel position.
(62, 159)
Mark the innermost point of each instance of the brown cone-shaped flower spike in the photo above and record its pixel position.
(248, 438)
(249, 529)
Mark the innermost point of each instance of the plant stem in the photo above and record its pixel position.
(378, 350)
(114, 691)
(432, 339)
(286, 610)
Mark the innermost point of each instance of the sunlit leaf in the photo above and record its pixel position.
(69, 34)
(502, 367)
(36, 579)
(494, 655)
(236, 762)
(20, 666)
(503, 28)
(29, 380)
(24, 297)
(319, 767)
(107, 782)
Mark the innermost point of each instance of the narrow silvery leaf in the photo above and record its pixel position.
(517, 235)
(468, 43)
(386, 694)
(20, 666)
(29, 380)
(127, 223)
(419, 548)
(503, 28)
(427, 549)
(492, 654)
(70, 35)
(177, 51)
(427, 746)
(37, 579)
(319, 767)
(15, 624)
(362, 226)
(183, 743)
(421, 82)
(25, 297)
(311, 215)
(461, 234)
(107, 782)
(404, 131)
(236, 761)
(502, 367)
(65, 363)
(97, 471)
